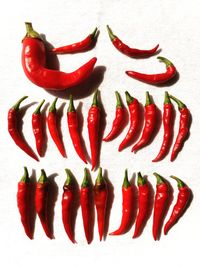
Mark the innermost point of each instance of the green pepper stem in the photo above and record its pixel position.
(167, 62)
(94, 33)
(111, 34)
(129, 98)
(126, 182)
(16, 105)
(30, 32)
(119, 102)
(141, 180)
(71, 107)
(85, 182)
(43, 178)
(167, 98)
(180, 104)
(160, 179)
(179, 181)
(53, 106)
(99, 179)
(95, 99)
(148, 99)
(37, 111)
(69, 177)
(25, 178)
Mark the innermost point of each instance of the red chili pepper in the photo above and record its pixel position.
(157, 78)
(118, 121)
(184, 125)
(79, 46)
(127, 207)
(160, 203)
(134, 110)
(93, 121)
(13, 129)
(168, 128)
(72, 121)
(34, 65)
(38, 129)
(125, 49)
(100, 199)
(180, 206)
(53, 128)
(143, 204)
(150, 124)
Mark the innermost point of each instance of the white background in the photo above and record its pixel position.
(143, 24)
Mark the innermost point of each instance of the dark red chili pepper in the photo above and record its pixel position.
(34, 65)
(100, 199)
(53, 128)
(117, 122)
(160, 203)
(181, 203)
(13, 129)
(157, 78)
(150, 116)
(134, 110)
(125, 49)
(184, 125)
(38, 129)
(72, 121)
(168, 128)
(79, 46)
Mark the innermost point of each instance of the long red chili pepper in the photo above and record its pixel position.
(100, 199)
(125, 49)
(181, 203)
(72, 121)
(117, 122)
(127, 207)
(93, 121)
(168, 128)
(134, 111)
(157, 78)
(143, 204)
(150, 124)
(160, 203)
(34, 65)
(53, 128)
(13, 129)
(184, 125)
(79, 46)
(38, 129)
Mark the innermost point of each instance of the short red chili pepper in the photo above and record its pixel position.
(34, 65)
(125, 49)
(100, 200)
(150, 116)
(168, 128)
(160, 204)
(180, 206)
(53, 128)
(73, 126)
(79, 46)
(157, 78)
(38, 129)
(117, 122)
(13, 129)
(134, 111)
(184, 125)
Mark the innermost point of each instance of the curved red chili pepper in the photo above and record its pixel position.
(157, 78)
(125, 49)
(14, 132)
(134, 111)
(34, 65)
(150, 124)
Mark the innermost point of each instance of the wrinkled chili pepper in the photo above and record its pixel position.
(184, 125)
(53, 127)
(100, 200)
(34, 65)
(125, 49)
(134, 111)
(157, 78)
(180, 206)
(150, 116)
(13, 129)
(73, 126)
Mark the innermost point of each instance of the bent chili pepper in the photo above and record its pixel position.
(157, 78)
(180, 206)
(184, 125)
(150, 116)
(125, 49)
(134, 111)
(13, 129)
(100, 200)
(73, 126)
(34, 65)
(79, 46)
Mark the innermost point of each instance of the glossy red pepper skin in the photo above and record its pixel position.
(34, 65)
